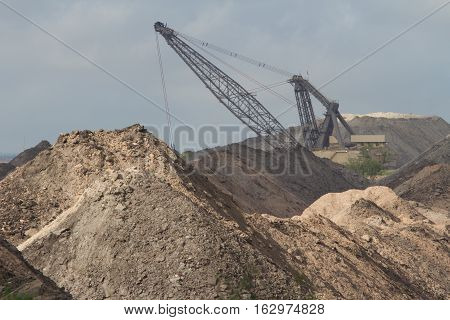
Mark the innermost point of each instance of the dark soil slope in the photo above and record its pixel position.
(19, 280)
(437, 153)
(407, 138)
(426, 179)
(260, 184)
(29, 154)
(22, 158)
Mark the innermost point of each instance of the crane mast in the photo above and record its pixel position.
(230, 93)
(247, 108)
(313, 136)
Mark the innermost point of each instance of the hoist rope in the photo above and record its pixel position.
(163, 84)
(272, 85)
(235, 55)
(288, 101)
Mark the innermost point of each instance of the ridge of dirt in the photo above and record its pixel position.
(438, 153)
(134, 221)
(430, 186)
(141, 225)
(19, 280)
(22, 158)
(408, 242)
(29, 154)
(248, 174)
(5, 169)
(426, 178)
(388, 115)
(406, 138)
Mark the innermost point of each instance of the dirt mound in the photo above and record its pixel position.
(22, 158)
(436, 154)
(134, 222)
(19, 280)
(387, 115)
(406, 138)
(339, 207)
(408, 244)
(29, 154)
(260, 184)
(5, 169)
(430, 186)
(118, 215)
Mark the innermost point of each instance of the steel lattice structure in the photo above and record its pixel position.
(314, 137)
(230, 93)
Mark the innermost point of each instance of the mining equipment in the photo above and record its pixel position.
(243, 104)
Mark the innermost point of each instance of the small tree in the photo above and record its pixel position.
(365, 164)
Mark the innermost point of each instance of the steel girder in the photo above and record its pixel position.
(314, 137)
(230, 93)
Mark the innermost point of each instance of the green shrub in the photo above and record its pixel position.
(365, 164)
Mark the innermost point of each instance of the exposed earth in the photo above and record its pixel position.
(22, 158)
(119, 215)
(19, 280)
(407, 136)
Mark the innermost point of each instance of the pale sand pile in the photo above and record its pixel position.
(386, 207)
(388, 115)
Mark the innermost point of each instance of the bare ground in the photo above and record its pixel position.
(118, 215)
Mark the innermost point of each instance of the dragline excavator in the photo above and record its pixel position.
(317, 137)
(248, 109)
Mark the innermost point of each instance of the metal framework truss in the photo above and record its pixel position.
(230, 93)
(314, 137)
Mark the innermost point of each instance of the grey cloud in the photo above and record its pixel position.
(45, 89)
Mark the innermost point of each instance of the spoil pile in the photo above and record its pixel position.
(407, 136)
(426, 178)
(119, 215)
(22, 158)
(430, 186)
(409, 245)
(439, 152)
(19, 280)
(259, 184)
(5, 169)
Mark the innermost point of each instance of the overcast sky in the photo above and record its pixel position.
(46, 89)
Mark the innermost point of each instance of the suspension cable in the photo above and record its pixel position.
(163, 84)
(288, 101)
(235, 55)
(272, 85)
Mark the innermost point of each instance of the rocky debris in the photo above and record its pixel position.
(380, 202)
(426, 178)
(430, 186)
(29, 154)
(19, 280)
(132, 221)
(164, 245)
(22, 158)
(260, 184)
(37, 193)
(119, 215)
(390, 234)
(436, 154)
